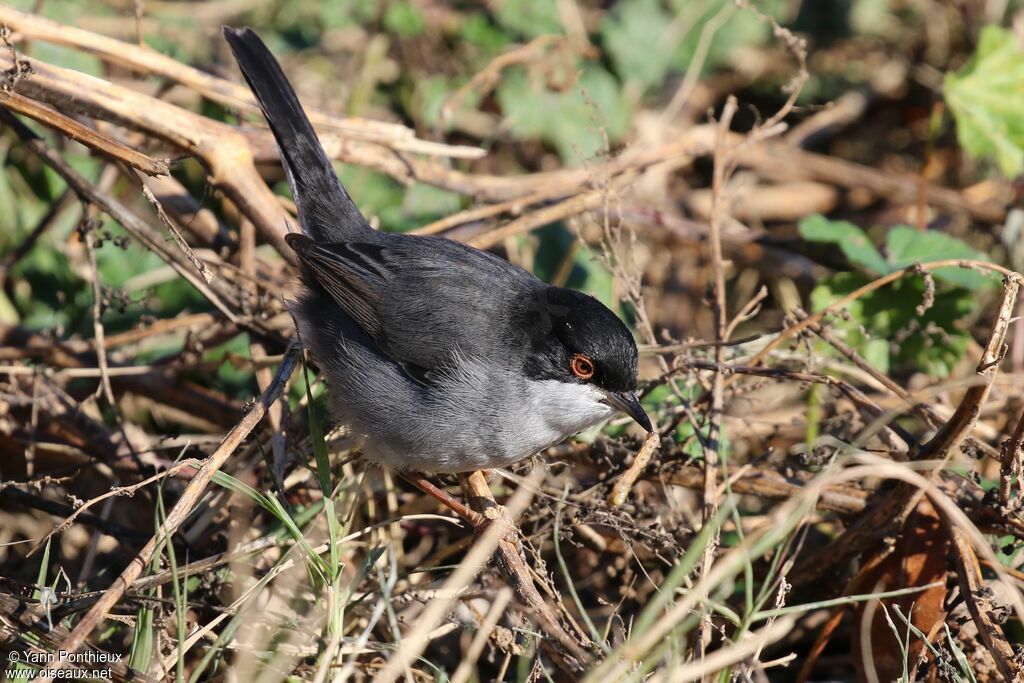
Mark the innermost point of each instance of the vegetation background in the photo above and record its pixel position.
(806, 210)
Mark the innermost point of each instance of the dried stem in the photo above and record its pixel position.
(79, 133)
(572, 652)
(968, 574)
(1012, 466)
(140, 59)
(712, 445)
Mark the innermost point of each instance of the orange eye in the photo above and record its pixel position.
(581, 366)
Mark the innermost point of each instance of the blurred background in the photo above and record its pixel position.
(579, 140)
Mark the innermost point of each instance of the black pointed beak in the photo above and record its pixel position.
(627, 402)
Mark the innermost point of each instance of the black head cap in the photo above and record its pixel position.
(563, 323)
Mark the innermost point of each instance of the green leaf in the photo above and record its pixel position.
(646, 40)
(478, 31)
(574, 120)
(627, 33)
(304, 17)
(987, 97)
(44, 569)
(853, 241)
(886, 328)
(529, 18)
(906, 246)
(875, 351)
(141, 652)
(404, 19)
(272, 505)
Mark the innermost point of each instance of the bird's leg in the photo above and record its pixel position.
(478, 521)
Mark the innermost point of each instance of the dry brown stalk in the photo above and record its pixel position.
(113, 493)
(692, 143)
(216, 295)
(514, 206)
(97, 312)
(968, 575)
(223, 150)
(1012, 466)
(728, 150)
(191, 218)
(16, 621)
(83, 134)
(20, 344)
(722, 172)
(964, 418)
(350, 140)
(573, 654)
(485, 544)
(141, 59)
(896, 438)
(925, 411)
(626, 480)
(159, 327)
(571, 206)
(228, 154)
(769, 484)
(240, 286)
(779, 160)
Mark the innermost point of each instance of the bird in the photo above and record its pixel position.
(439, 358)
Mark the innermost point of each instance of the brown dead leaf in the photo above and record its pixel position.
(919, 558)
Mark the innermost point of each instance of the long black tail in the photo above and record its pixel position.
(326, 211)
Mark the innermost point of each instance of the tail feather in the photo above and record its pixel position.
(326, 211)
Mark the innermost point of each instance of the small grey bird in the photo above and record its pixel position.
(438, 356)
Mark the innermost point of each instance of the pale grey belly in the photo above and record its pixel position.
(436, 432)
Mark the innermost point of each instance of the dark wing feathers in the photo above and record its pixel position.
(348, 275)
(414, 295)
(326, 211)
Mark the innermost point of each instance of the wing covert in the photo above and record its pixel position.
(420, 299)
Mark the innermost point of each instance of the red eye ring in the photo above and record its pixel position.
(581, 366)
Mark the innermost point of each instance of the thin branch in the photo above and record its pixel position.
(1012, 465)
(140, 59)
(720, 315)
(964, 418)
(135, 226)
(573, 651)
(83, 134)
(968, 575)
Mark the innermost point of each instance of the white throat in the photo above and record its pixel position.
(557, 410)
